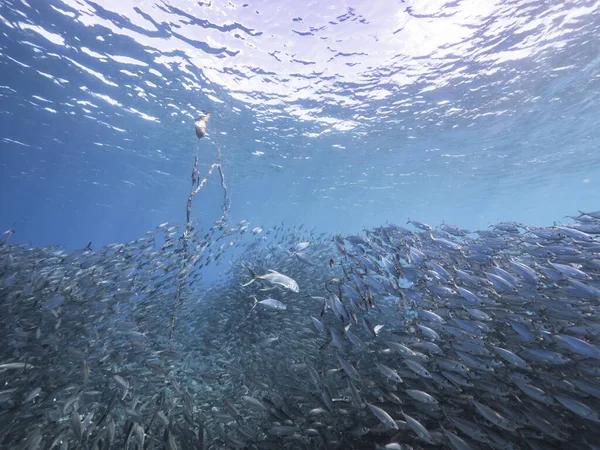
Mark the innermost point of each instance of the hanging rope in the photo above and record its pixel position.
(197, 185)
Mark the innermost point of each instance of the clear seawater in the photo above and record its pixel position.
(338, 115)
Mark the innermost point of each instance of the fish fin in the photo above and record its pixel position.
(255, 303)
(253, 275)
(249, 282)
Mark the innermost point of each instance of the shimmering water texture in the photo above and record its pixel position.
(341, 115)
(288, 304)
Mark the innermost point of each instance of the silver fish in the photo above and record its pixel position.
(275, 278)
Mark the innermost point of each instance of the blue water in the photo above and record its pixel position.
(339, 115)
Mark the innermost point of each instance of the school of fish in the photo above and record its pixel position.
(403, 337)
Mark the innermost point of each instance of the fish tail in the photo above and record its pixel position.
(253, 275)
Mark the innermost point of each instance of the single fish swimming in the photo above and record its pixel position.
(275, 278)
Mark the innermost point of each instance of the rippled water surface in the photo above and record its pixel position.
(337, 114)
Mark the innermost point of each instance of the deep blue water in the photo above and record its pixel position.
(339, 115)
